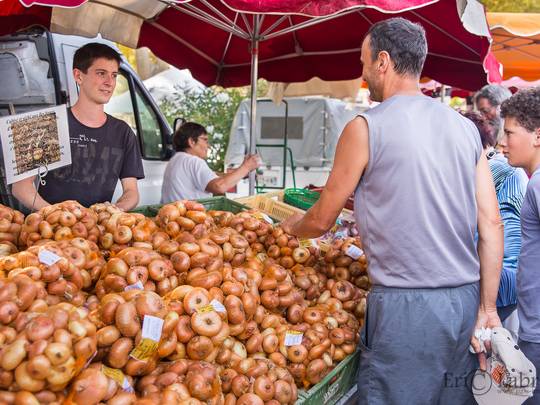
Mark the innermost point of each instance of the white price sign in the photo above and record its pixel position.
(293, 338)
(47, 257)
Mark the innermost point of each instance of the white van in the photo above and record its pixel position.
(305, 130)
(36, 72)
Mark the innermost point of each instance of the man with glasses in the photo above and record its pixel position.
(188, 177)
(488, 102)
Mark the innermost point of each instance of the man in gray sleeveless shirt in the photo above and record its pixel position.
(423, 190)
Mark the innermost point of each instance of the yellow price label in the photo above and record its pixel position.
(262, 217)
(324, 246)
(305, 243)
(205, 309)
(145, 349)
(294, 332)
(114, 374)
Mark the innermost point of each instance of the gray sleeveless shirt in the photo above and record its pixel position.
(415, 204)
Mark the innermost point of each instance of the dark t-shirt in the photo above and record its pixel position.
(99, 157)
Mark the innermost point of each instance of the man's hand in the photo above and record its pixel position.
(251, 162)
(485, 319)
(289, 223)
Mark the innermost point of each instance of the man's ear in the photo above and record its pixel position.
(77, 75)
(191, 142)
(383, 61)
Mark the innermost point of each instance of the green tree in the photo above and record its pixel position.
(214, 108)
(512, 6)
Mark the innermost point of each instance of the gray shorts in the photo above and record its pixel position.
(415, 346)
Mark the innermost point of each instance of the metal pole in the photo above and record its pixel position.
(254, 75)
(443, 90)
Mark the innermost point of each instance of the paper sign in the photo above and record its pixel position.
(47, 257)
(354, 252)
(293, 338)
(218, 306)
(136, 286)
(152, 327)
(35, 142)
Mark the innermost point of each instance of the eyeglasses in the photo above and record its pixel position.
(486, 111)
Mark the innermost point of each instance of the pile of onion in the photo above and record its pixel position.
(10, 228)
(62, 221)
(42, 351)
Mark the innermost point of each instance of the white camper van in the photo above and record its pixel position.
(302, 130)
(36, 72)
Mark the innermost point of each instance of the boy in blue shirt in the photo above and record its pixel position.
(521, 146)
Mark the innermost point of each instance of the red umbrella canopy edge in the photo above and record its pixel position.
(296, 39)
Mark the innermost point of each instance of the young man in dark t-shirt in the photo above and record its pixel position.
(103, 149)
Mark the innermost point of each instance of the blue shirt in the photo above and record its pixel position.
(510, 186)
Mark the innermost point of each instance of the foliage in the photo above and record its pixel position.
(512, 6)
(212, 107)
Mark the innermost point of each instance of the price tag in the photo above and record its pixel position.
(117, 376)
(218, 306)
(293, 338)
(206, 309)
(114, 374)
(145, 349)
(136, 286)
(151, 333)
(47, 257)
(306, 243)
(354, 252)
(262, 216)
(325, 245)
(261, 257)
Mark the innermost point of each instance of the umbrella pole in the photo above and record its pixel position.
(253, 114)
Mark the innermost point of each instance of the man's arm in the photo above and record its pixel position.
(25, 191)
(350, 161)
(225, 182)
(490, 250)
(130, 195)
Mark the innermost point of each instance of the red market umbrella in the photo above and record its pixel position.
(297, 39)
(233, 42)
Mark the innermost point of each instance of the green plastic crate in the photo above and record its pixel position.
(147, 210)
(213, 203)
(336, 384)
(223, 204)
(300, 198)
